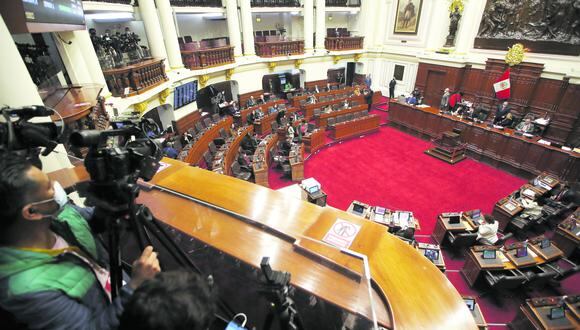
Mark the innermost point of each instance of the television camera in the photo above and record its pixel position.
(24, 138)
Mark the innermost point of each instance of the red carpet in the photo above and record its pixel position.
(389, 169)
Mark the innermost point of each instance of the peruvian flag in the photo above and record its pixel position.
(502, 86)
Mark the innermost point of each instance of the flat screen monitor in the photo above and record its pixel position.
(545, 243)
(489, 254)
(557, 313)
(34, 16)
(313, 189)
(380, 210)
(522, 252)
(432, 254)
(475, 214)
(358, 209)
(470, 302)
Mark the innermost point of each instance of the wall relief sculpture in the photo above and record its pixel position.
(543, 26)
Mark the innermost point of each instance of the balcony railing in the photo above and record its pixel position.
(279, 48)
(275, 3)
(135, 79)
(344, 43)
(343, 3)
(197, 59)
(196, 3)
(124, 2)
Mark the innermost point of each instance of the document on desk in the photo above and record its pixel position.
(502, 257)
(162, 166)
(341, 234)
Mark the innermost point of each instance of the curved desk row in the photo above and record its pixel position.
(296, 100)
(290, 231)
(355, 127)
(263, 107)
(308, 109)
(261, 160)
(322, 120)
(223, 165)
(500, 148)
(200, 146)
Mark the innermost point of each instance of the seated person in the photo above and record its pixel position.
(172, 300)
(411, 100)
(272, 109)
(249, 143)
(345, 104)
(356, 91)
(328, 109)
(416, 93)
(311, 99)
(170, 151)
(487, 232)
(251, 118)
(316, 90)
(288, 86)
(258, 114)
(281, 114)
(250, 102)
(261, 100)
(501, 114)
(53, 271)
(455, 100)
(526, 126)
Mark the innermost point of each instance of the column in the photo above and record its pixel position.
(466, 32)
(247, 27)
(17, 89)
(379, 34)
(233, 26)
(368, 14)
(169, 33)
(437, 33)
(308, 25)
(72, 57)
(84, 44)
(153, 29)
(320, 24)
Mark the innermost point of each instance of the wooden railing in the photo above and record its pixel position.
(343, 3)
(124, 2)
(344, 43)
(275, 3)
(279, 48)
(196, 3)
(135, 79)
(205, 58)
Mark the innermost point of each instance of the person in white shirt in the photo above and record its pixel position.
(290, 131)
(487, 232)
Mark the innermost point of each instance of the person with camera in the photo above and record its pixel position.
(53, 271)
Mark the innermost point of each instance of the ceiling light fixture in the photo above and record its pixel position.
(111, 16)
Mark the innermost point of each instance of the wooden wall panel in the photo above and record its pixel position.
(530, 93)
(188, 121)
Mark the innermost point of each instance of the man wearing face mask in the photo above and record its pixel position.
(53, 272)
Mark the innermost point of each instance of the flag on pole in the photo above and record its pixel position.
(502, 86)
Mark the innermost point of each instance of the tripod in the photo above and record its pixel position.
(281, 305)
(114, 218)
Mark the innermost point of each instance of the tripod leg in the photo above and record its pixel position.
(115, 258)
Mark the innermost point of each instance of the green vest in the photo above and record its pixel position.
(29, 271)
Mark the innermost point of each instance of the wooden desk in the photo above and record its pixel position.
(550, 253)
(280, 226)
(314, 141)
(477, 315)
(261, 162)
(523, 156)
(535, 314)
(504, 210)
(68, 177)
(232, 149)
(387, 221)
(263, 107)
(308, 109)
(322, 120)
(567, 234)
(355, 127)
(296, 159)
(442, 227)
(440, 262)
(201, 146)
(296, 100)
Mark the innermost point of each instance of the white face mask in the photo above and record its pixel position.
(60, 196)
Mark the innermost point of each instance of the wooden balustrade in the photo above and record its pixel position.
(200, 146)
(347, 90)
(206, 58)
(279, 48)
(196, 3)
(308, 109)
(272, 3)
(124, 2)
(135, 79)
(344, 43)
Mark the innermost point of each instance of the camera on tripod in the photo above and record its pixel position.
(19, 136)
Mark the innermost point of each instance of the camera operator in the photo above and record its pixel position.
(171, 301)
(53, 272)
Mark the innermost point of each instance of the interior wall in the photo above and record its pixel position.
(199, 27)
(340, 20)
(382, 71)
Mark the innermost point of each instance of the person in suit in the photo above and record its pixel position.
(503, 114)
(261, 100)
(445, 100)
(251, 102)
(487, 232)
(526, 126)
(281, 114)
(368, 93)
(392, 85)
